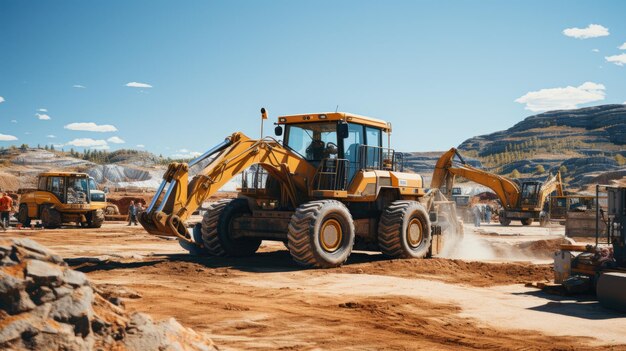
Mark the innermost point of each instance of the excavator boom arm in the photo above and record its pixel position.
(167, 215)
(445, 171)
(551, 185)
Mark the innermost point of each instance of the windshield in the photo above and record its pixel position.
(77, 190)
(313, 141)
(92, 184)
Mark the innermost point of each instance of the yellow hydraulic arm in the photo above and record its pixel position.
(166, 215)
(548, 187)
(506, 189)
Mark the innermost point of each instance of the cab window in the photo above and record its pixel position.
(373, 136)
(56, 185)
(43, 182)
(313, 141)
(77, 190)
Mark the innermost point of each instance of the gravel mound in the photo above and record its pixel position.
(44, 305)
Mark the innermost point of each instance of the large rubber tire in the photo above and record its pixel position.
(22, 215)
(527, 221)
(50, 218)
(217, 229)
(404, 230)
(321, 234)
(95, 219)
(503, 220)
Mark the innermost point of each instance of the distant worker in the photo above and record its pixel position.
(488, 213)
(132, 213)
(6, 205)
(139, 208)
(477, 215)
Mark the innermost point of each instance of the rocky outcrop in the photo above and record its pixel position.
(591, 125)
(39, 157)
(586, 141)
(117, 173)
(44, 305)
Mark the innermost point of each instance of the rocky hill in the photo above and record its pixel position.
(585, 144)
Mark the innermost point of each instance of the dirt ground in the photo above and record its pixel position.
(475, 299)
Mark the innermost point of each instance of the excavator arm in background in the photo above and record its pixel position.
(445, 171)
(166, 215)
(549, 186)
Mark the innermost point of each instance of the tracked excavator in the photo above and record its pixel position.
(328, 184)
(521, 200)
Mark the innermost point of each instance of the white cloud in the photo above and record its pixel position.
(622, 47)
(1, 99)
(89, 143)
(619, 60)
(138, 85)
(91, 127)
(562, 98)
(141, 146)
(50, 136)
(592, 31)
(43, 116)
(79, 86)
(595, 50)
(5, 137)
(116, 140)
(14, 121)
(184, 153)
(42, 110)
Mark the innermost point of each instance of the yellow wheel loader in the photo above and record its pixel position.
(521, 200)
(63, 197)
(328, 186)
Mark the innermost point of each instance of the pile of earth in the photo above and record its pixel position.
(45, 305)
(123, 202)
(9, 182)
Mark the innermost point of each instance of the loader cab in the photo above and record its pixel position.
(68, 188)
(530, 193)
(338, 143)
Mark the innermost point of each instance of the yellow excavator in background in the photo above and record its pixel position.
(329, 183)
(521, 200)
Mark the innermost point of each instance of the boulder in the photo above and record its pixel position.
(44, 305)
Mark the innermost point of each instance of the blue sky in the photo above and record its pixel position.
(440, 71)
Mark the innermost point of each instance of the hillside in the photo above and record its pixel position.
(584, 144)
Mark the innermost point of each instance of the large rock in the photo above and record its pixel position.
(44, 305)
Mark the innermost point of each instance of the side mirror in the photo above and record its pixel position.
(278, 130)
(342, 130)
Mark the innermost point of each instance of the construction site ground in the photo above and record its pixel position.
(267, 302)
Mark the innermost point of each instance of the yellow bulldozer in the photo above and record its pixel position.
(63, 197)
(521, 200)
(328, 184)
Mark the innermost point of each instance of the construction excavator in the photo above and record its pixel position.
(521, 200)
(329, 183)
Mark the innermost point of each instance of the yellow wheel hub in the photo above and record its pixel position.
(414, 233)
(331, 235)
